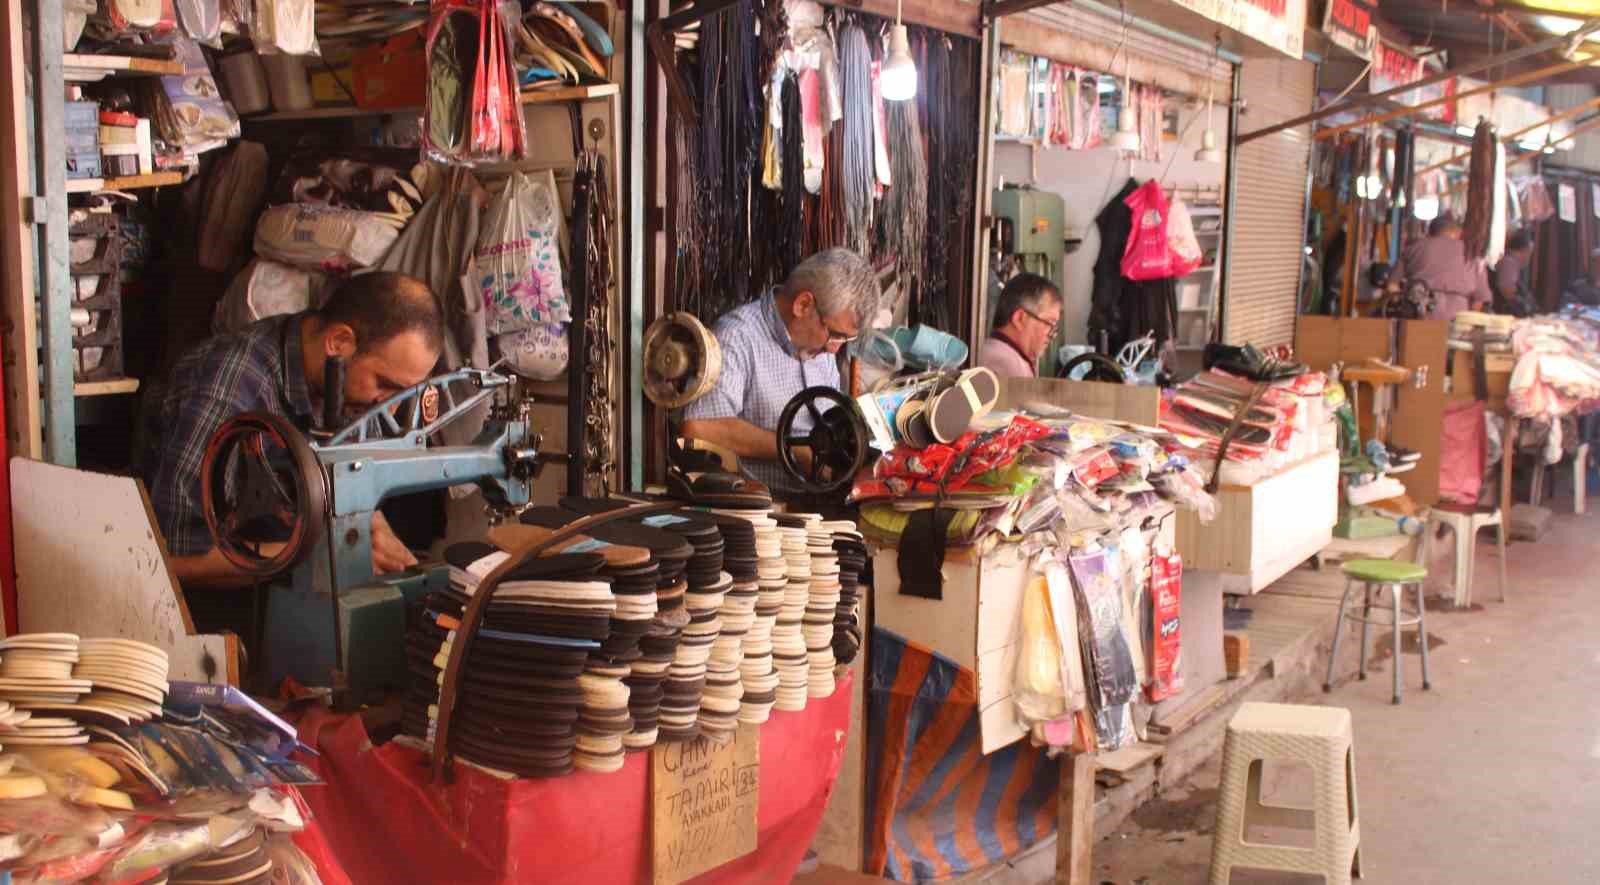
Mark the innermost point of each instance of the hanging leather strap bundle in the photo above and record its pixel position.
(1233, 428)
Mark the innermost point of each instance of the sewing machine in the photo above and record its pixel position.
(297, 513)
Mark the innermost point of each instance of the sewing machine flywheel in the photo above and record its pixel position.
(263, 493)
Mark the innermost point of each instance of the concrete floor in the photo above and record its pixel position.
(1493, 776)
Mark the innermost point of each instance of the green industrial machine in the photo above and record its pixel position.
(1030, 237)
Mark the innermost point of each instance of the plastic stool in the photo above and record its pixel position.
(1319, 737)
(1580, 488)
(1465, 520)
(1382, 574)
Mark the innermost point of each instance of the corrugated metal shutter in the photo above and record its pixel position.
(1266, 239)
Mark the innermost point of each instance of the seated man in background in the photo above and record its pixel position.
(1512, 294)
(1025, 322)
(1585, 290)
(1440, 260)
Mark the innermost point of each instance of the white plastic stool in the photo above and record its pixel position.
(1322, 739)
(1580, 482)
(1465, 520)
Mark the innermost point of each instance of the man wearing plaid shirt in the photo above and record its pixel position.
(773, 348)
(387, 327)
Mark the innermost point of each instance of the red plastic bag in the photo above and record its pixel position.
(473, 111)
(1166, 585)
(1149, 254)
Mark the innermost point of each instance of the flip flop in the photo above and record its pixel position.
(950, 413)
(912, 420)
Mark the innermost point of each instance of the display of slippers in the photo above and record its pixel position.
(949, 414)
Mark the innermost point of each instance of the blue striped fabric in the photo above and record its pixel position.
(937, 807)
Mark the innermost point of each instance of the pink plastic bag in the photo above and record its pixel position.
(1149, 255)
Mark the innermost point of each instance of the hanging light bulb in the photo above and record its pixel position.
(898, 78)
(1127, 136)
(1208, 152)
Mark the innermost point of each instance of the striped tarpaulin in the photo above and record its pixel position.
(937, 807)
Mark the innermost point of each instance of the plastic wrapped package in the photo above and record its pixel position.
(518, 258)
(473, 111)
(322, 239)
(290, 865)
(266, 288)
(1109, 669)
(1036, 688)
(286, 26)
(1166, 664)
(201, 20)
(1186, 489)
(74, 16)
(161, 846)
(124, 18)
(190, 111)
(1133, 557)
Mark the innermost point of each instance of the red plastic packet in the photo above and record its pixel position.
(1166, 585)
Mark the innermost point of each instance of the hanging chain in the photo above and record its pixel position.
(598, 442)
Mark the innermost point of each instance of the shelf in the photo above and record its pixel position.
(110, 387)
(81, 68)
(535, 97)
(130, 183)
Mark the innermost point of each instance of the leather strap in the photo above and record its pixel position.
(1233, 428)
(472, 617)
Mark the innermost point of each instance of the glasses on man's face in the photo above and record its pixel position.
(835, 336)
(1053, 324)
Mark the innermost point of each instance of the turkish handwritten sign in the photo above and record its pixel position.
(703, 804)
(1348, 23)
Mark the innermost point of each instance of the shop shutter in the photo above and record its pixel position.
(1266, 239)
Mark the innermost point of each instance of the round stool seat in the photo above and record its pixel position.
(1384, 571)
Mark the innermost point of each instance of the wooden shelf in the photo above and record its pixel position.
(540, 96)
(81, 68)
(130, 183)
(111, 387)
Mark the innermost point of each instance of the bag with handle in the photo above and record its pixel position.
(1148, 255)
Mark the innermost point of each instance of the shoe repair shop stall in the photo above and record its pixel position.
(1093, 113)
(323, 140)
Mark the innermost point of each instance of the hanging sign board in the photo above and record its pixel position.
(1348, 25)
(1280, 24)
(703, 804)
(1393, 67)
(1567, 202)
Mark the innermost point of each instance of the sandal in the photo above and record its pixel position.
(949, 414)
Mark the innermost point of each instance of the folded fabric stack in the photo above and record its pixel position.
(519, 694)
(1558, 368)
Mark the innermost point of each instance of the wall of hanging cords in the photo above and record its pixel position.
(796, 151)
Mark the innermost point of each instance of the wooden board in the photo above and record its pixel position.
(90, 561)
(1094, 399)
(1075, 821)
(127, 183)
(110, 387)
(840, 839)
(703, 800)
(23, 409)
(1128, 758)
(81, 67)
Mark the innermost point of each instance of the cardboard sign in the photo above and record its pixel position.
(1393, 66)
(1348, 24)
(703, 804)
(1280, 24)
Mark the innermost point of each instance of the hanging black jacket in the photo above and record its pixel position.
(1119, 307)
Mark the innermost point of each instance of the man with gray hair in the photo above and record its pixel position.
(1025, 323)
(775, 347)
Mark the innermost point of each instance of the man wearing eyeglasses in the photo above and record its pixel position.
(1025, 322)
(775, 347)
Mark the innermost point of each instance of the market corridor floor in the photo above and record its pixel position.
(1489, 777)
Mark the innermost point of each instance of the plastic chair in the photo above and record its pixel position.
(1465, 520)
(1322, 739)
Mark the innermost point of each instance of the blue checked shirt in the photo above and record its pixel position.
(761, 372)
(257, 369)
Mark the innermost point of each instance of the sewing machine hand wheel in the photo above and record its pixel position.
(263, 494)
(837, 440)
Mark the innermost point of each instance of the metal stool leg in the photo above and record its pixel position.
(1338, 628)
(1366, 616)
(1394, 590)
(1500, 537)
(1422, 636)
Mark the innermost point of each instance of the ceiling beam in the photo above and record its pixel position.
(1589, 27)
(1567, 114)
(1408, 110)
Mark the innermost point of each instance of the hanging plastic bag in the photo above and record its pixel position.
(473, 112)
(1036, 687)
(518, 258)
(1166, 644)
(202, 21)
(539, 353)
(286, 26)
(1148, 255)
(1181, 238)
